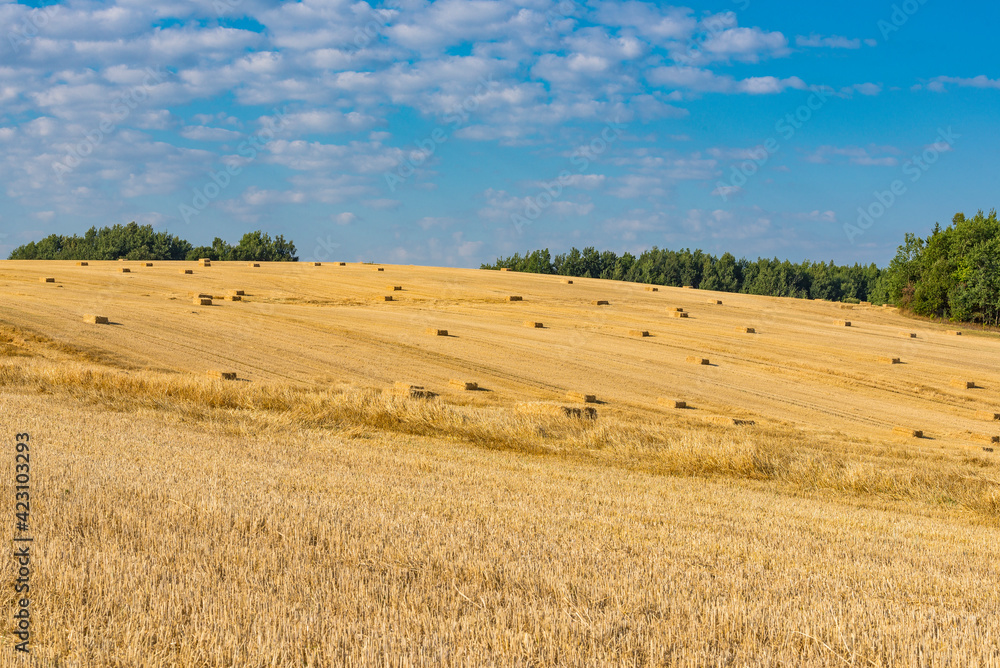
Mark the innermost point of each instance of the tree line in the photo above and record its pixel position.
(954, 274)
(140, 242)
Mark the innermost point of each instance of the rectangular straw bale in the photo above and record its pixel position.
(566, 281)
(513, 298)
(379, 268)
(746, 330)
(82, 264)
(843, 323)
(45, 279)
(865, 304)
(714, 302)
(581, 397)
(600, 302)
(504, 269)
(185, 271)
(237, 292)
(689, 287)
(223, 375)
(679, 314)
(906, 431)
(205, 262)
(987, 438)
(394, 288)
(201, 301)
(650, 288)
(908, 335)
(847, 307)
(341, 264)
(436, 332)
(889, 360)
(96, 319)
(693, 359)
(963, 384)
(125, 270)
(234, 298)
(953, 332)
(677, 309)
(463, 385)
(317, 264)
(557, 410)
(412, 391)
(201, 295)
(254, 264)
(671, 403)
(386, 298)
(638, 332)
(147, 264)
(533, 324)
(987, 415)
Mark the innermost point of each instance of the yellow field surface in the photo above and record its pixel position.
(311, 513)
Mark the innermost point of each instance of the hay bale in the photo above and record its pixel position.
(504, 269)
(513, 298)
(953, 332)
(600, 302)
(234, 298)
(147, 264)
(341, 264)
(746, 330)
(411, 391)
(566, 281)
(223, 375)
(679, 314)
(865, 304)
(889, 360)
(533, 324)
(45, 279)
(675, 309)
(985, 437)
(379, 268)
(692, 359)
(987, 415)
(907, 432)
(714, 302)
(689, 287)
(581, 397)
(641, 333)
(963, 384)
(237, 292)
(557, 410)
(908, 335)
(96, 319)
(317, 264)
(394, 288)
(436, 332)
(847, 307)
(385, 298)
(82, 264)
(671, 403)
(650, 288)
(201, 301)
(843, 323)
(125, 270)
(205, 262)
(186, 271)
(463, 385)
(253, 264)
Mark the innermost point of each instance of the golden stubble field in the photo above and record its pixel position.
(306, 514)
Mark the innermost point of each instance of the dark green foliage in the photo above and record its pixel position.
(140, 242)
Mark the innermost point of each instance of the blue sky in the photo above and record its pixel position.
(452, 132)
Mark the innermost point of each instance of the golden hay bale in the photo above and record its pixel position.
(865, 304)
(205, 262)
(186, 271)
(254, 264)
(234, 298)
(908, 335)
(676, 309)
(985, 437)
(600, 302)
(411, 391)
(45, 279)
(581, 397)
(514, 298)
(223, 375)
(689, 287)
(679, 314)
(566, 281)
(697, 360)
(843, 323)
(714, 302)
(341, 264)
(436, 332)
(504, 269)
(650, 288)
(638, 332)
(963, 384)
(394, 288)
(746, 330)
(379, 268)
(96, 319)
(201, 301)
(125, 270)
(82, 264)
(147, 264)
(889, 360)
(533, 324)
(385, 298)
(317, 264)
(909, 433)
(237, 292)
(463, 385)
(952, 332)
(987, 415)
(671, 403)
(200, 295)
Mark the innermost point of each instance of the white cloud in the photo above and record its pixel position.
(870, 156)
(831, 42)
